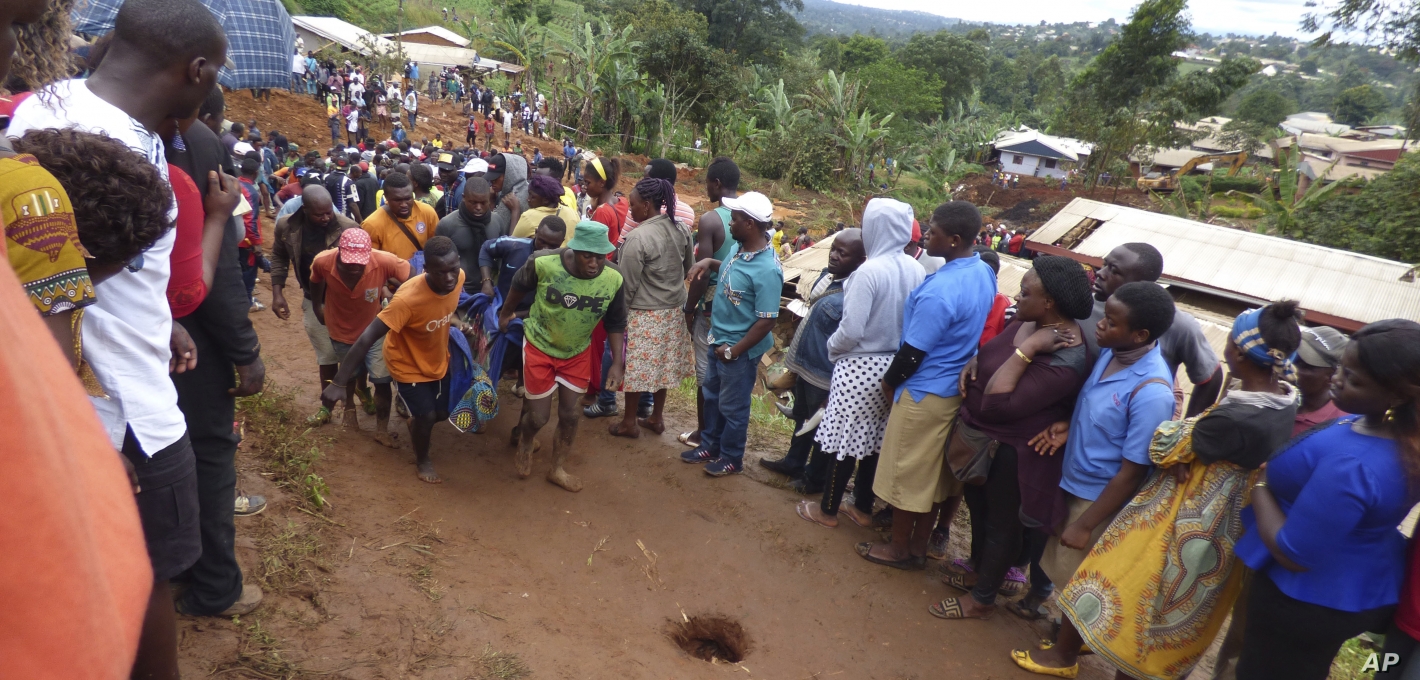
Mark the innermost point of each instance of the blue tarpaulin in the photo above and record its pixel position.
(260, 37)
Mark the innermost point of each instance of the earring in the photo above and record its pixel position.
(1390, 415)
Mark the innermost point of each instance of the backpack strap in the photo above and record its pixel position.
(412, 239)
(1141, 385)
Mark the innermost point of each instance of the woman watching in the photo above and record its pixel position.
(1321, 531)
(1024, 379)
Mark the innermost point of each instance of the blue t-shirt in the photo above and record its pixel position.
(749, 290)
(944, 317)
(1109, 426)
(512, 251)
(1343, 493)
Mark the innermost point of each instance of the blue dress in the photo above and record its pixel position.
(1344, 494)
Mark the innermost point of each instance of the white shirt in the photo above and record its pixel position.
(411, 101)
(126, 333)
(507, 120)
(353, 121)
(241, 148)
(357, 90)
(298, 64)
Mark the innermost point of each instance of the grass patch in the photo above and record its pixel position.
(1352, 657)
(260, 654)
(284, 445)
(500, 665)
(286, 557)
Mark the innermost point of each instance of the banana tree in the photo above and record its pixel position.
(860, 138)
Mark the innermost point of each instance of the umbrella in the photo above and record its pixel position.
(260, 37)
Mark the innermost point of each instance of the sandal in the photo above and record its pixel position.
(684, 438)
(367, 400)
(1022, 659)
(616, 431)
(646, 425)
(951, 608)
(1028, 608)
(802, 508)
(956, 580)
(912, 563)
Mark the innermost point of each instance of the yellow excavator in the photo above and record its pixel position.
(1167, 182)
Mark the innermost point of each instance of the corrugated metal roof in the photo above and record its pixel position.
(1340, 287)
(348, 35)
(439, 31)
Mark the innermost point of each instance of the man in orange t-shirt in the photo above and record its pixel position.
(346, 283)
(415, 331)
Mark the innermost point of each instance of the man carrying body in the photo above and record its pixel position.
(415, 331)
(712, 241)
(346, 285)
(403, 225)
(574, 289)
(300, 236)
(468, 227)
(1183, 343)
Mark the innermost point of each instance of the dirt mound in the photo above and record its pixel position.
(1019, 212)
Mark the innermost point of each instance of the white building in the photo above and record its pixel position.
(1035, 154)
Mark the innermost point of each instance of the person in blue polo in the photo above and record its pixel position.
(744, 311)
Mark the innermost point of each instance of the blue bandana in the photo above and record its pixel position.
(1248, 337)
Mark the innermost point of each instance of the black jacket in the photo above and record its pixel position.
(224, 313)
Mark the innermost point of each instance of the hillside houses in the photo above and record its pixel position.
(1033, 153)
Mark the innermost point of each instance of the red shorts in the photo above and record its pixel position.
(542, 373)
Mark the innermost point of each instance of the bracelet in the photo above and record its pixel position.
(1260, 485)
(1023, 356)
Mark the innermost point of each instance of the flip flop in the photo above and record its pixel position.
(951, 608)
(854, 518)
(1022, 659)
(684, 438)
(802, 508)
(865, 548)
(1023, 609)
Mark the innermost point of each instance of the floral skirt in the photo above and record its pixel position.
(658, 352)
(856, 415)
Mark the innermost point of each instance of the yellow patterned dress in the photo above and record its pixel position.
(41, 239)
(1153, 592)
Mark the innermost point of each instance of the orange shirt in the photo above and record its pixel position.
(417, 347)
(386, 235)
(74, 574)
(349, 311)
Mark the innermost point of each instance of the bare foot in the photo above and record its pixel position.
(652, 425)
(427, 474)
(350, 421)
(617, 430)
(513, 438)
(523, 459)
(385, 438)
(811, 511)
(560, 477)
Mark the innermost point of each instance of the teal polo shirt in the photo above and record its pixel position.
(749, 289)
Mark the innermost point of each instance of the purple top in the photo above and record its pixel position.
(1045, 394)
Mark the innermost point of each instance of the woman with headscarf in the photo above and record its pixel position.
(861, 350)
(544, 199)
(1155, 589)
(1024, 379)
(654, 261)
(601, 177)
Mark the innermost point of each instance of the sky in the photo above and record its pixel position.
(1253, 17)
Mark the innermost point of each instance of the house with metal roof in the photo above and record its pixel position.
(1337, 288)
(431, 35)
(1033, 153)
(321, 32)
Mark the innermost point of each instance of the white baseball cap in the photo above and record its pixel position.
(475, 165)
(754, 204)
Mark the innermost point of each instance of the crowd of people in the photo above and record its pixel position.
(133, 234)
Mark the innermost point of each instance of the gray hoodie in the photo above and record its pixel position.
(515, 181)
(874, 295)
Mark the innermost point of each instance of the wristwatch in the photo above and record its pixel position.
(727, 352)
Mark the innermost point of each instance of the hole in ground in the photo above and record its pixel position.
(711, 637)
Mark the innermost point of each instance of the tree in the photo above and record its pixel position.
(1265, 107)
(517, 11)
(830, 51)
(690, 72)
(958, 62)
(908, 93)
(753, 31)
(1308, 66)
(1380, 219)
(1395, 25)
(862, 50)
(1359, 104)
